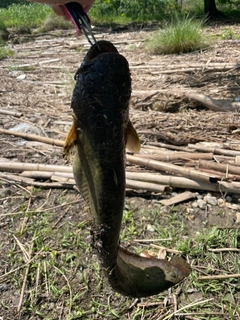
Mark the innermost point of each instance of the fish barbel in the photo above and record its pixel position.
(101, 131)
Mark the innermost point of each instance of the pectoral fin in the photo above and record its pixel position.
(132, 139)
(70, 141)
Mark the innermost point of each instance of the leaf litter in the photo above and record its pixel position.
(48, 269)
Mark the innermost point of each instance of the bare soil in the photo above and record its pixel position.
(37, 82)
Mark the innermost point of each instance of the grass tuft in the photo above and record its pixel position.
(53, 22)
(181, 35)
(29, 15)
(3, 32)
(5, 52)
(229, 34)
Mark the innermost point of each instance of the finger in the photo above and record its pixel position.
(58, 10)
(87, 8)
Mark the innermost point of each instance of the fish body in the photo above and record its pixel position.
(100, 104)
(101, 131)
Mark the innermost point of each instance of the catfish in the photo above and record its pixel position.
(101, 131)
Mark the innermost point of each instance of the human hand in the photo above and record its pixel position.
(57, 5)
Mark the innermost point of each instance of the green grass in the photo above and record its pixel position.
(55, 250)
(3, 33)
(5, 52)
(221, 295)
(196, 7)
(31, 17)
(124, 12)
(137, 11)
(182, 35)
(34, 15)
(193, 8)
(65, 272)
(229, 8)
(53, 22)
(229, 33)
(19, 16)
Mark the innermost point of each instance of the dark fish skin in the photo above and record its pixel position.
(100, 104)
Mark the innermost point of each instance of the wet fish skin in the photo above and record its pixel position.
(100, 104)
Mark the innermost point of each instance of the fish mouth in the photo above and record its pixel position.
(100, 48)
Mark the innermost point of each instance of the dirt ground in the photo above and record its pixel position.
(48, 270)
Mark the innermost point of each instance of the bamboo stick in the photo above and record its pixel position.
(171, 156)
(11, 113)
(225, 159)
(63, 179)
(219, 277)
(151, 240)
(152, 148)
(37, 63)
(28, 181)
(68, 181)
(168, 146)
(237, 160)
(173, 181)
(46, 174)
(224, 250)
(158, 165)
(223, 67)
(139, 185)
(20, 166)
(215, 65)
(178, 182)
(34, 137)
(224, 176)
(143, 93)
(228, 168)
(68, 178)
(225, 152)
(37, 174)
(233, 187)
